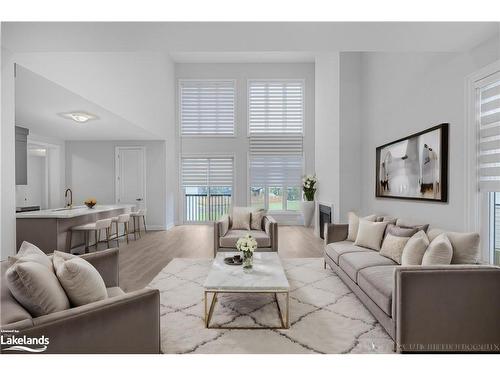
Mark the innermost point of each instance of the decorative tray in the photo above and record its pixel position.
(233, 262)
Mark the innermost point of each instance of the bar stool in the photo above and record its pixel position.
(96, 227)
(136, 217)
(121, 219)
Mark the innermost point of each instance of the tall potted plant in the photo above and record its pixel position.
(307, 205)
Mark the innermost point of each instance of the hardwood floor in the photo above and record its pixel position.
(142, 260)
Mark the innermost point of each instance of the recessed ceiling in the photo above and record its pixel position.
(39, 103)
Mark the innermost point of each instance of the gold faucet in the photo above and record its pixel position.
(70, 204)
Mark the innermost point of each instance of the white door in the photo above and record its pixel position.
(131, 176)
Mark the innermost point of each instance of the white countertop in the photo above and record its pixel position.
(68, 213)
(267, 274)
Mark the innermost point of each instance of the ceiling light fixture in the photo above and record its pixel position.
(79, 117)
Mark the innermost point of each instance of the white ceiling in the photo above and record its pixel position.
(246, 37)
(39, 101)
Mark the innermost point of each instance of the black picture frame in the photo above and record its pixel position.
(443, 159)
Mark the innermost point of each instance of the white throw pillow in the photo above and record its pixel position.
(352, 232)
(240, 218)
(81, 281)
(31, 253)
(414, 249)
(36, 288)
(393, 246)
(439, 251)
(465, 247)
(370, 234)
(256, 219)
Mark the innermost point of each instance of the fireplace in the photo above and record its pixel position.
(325, 216)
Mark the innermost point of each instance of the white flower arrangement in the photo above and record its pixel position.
(247, 244)
(309, 187)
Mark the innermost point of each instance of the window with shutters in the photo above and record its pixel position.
(207, 107)
(275, 130)
(207, 184)
(487, 104)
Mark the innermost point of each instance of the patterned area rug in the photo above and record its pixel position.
(325, 316)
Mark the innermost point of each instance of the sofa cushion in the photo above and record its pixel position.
(414, 249)
(393, 247)
(114, 291)
(439, 251)
(352, 231)
(370, 234)
(10, 310)
(31, 253)
(81, 281)
(409, 224)
(256, 218)
(352, 263)
(232, 236)
(335, 249)
(36, 288)
(377, 282)
(240, 218)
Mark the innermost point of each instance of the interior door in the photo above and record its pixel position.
(131, 176)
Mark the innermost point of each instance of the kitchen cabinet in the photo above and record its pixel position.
(21, 155)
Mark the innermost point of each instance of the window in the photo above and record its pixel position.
(487, 104)
(275, 106)
(208, 186)
(275, 128)
(207, 107)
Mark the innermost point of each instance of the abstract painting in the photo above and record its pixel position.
(414, 167)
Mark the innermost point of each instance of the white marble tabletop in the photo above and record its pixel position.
(68, 213)
(267, 274)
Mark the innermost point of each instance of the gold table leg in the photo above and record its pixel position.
(208, 316)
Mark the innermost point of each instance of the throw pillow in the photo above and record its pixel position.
(36, 288)
(406, 224)
(393, 246)
(400, 231)
(81, 281)
(241, 218)
(414, 249)
(434, 232)
(256, 218)
(370, 234)
(352, 231)
(387, 219)
(439, 251)
(465, 247)
(30, 253)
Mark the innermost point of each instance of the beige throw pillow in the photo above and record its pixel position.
(81, 281)
(393, 246)
(414, 249)
(240, 218)
(352, 231)
(31, 253)
(256, 218)
(36, 288)
(370, 234)
(465, 247)
(439, 251)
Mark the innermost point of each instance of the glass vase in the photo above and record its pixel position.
(247, 260)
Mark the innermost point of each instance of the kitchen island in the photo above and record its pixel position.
(49, 229)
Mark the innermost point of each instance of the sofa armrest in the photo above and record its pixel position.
(271, 228)
(129, 323)
(335, 232)
(106, 263)
(447, 308)
(221, 227)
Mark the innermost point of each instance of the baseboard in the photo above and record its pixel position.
(156, 227)
(170, 226)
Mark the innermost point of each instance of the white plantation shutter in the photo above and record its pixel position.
(275, 106)
(207, 107)
(207, 171)
(488, 105)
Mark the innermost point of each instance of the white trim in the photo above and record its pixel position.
(156, 227)
(474, 201)
(117, 171)
(178, 104)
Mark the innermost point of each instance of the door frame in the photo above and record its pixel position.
(117, 170)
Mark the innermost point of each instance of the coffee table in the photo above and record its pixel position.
(266, 276)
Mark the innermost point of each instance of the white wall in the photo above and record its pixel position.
(403, 93)
(90, 172)
(327, 130)
(238, 146)
(33, 194)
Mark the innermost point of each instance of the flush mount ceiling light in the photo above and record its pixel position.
(79, 117)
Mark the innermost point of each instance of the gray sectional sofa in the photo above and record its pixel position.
(452, 308)
(122, 323)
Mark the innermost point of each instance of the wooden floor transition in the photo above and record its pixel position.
(142, 260)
